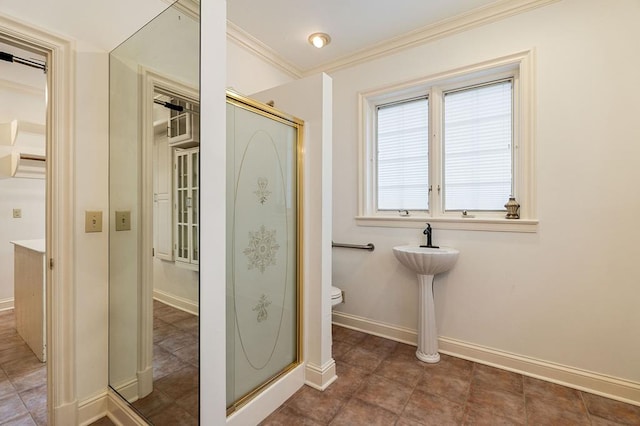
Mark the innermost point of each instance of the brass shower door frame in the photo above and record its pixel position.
(271, 113)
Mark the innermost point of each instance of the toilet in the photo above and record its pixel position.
(336, 296)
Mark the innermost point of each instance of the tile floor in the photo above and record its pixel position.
(23, 378)
(380, 382)
(174, 400)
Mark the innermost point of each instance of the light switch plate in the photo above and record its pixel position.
(123, 220)
(92, 221)
(17, 213)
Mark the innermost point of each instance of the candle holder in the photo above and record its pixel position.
(512, 207)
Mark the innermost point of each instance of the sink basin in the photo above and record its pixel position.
(426, 260)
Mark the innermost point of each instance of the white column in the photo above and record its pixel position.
(427, 331)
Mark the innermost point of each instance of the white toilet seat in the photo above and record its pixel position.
(336, 296)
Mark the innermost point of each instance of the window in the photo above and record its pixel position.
(186, 180)
(403, 168)
(477, 142)
(450, 150)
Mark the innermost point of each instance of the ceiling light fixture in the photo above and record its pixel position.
(319, 40)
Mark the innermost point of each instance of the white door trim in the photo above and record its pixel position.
(61, 369)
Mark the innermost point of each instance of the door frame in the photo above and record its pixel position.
(62, 404)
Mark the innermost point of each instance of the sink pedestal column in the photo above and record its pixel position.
(427, 331)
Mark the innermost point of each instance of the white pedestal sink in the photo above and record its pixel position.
(426, 262)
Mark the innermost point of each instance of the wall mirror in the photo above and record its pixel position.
(154, 215)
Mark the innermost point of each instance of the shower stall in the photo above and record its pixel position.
(263, 291)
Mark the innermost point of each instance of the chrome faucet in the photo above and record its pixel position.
(427, 231)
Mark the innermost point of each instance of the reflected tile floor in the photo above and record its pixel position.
(380, 382)
(23, 378)
(174, 400)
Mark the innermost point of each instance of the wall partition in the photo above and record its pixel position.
(263, 247)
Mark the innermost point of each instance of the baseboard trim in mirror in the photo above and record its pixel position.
(120, 412)
(177, 302)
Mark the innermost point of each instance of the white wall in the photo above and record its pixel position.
(248, 73)
(91, 188)
(569, 293)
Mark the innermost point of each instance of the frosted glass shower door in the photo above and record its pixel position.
(263, 285)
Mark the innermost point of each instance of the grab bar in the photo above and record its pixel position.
(368, 246)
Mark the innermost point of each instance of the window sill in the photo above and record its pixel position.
(466, 224)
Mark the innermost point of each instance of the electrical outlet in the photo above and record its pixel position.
(17, 213)
(92, 221)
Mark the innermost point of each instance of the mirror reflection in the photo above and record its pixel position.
(154, 214)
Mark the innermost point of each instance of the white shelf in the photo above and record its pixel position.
(23, 165)
(20, 133)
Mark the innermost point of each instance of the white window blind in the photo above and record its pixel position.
(402, 155)
(477, 146)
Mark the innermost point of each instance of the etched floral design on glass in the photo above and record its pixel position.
(261, 308)
(262, 248)
(262, 192)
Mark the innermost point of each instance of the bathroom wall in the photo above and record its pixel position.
(22, 91)
(248, 73)
(91, 193)
(569, 293)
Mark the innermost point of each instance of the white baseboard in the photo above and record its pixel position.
(93, 409)
(177, 302)
(6, 304)
(599, 384)
(145, 382)
(66, 414)
(269, 400)
(121, 413)
(399, 334)
(320, 377)
(128, 389)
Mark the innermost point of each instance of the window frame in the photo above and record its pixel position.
(520, 67)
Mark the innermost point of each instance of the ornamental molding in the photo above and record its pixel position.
(493, 12)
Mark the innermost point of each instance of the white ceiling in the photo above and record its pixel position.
(280, 26)
(102, 24)
(354, 25)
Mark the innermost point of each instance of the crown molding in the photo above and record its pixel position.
(495, 11)
(481, 16)
(258, 48)
(188, 7)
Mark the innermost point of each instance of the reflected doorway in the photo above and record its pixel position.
(175, 255)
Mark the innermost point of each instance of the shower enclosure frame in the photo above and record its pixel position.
(269, 112)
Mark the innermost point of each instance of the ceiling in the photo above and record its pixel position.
(278, 27)
(355, 26)
(99, 24)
